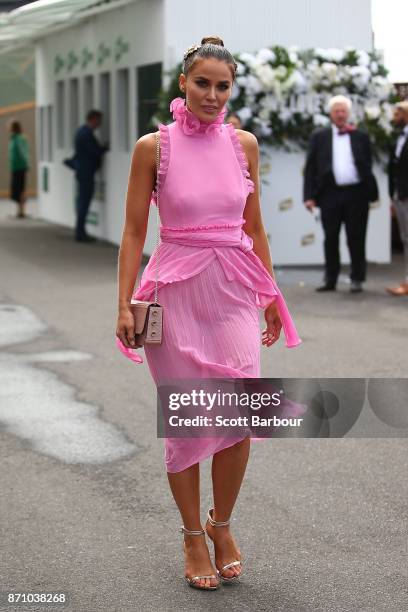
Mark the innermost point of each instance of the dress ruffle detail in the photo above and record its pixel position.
(241, 157)
(164, 161)
(190, 123)
(198, 228)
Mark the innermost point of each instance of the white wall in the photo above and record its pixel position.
(247, 26)
(294, 235)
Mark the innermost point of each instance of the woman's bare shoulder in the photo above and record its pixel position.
(249, 143)
(147, 142)
(247, 138)
(145, 148)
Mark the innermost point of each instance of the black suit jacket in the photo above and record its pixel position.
(398, 172)
(318, 173)
(88, 152)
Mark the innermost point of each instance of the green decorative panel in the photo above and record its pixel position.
(120, 48)
(72, 60)
(149, 82)
(59, 63)
(45, 176)
(87, 57)
(103, 53)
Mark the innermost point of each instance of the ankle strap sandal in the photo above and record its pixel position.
(193, 580)
(228, 565)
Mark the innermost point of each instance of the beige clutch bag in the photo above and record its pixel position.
(148, 316)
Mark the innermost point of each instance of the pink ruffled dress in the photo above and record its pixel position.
(211, 283)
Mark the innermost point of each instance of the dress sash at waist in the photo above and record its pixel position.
(221, 235)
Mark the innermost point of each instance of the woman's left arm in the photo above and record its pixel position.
(252, 214)
(255, 229)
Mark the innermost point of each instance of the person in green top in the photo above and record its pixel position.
(18, 155)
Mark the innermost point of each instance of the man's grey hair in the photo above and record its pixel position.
(340, 100)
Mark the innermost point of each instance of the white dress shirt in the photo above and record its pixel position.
(401, 141)
(344, 167)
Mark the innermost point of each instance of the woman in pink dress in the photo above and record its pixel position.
(213, 279)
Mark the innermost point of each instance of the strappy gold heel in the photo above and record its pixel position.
(193, 581)
(228, 565)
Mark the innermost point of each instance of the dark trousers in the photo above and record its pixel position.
(349, 205)
(86, 188)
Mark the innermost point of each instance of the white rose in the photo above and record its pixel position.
(242, 81)
(319, 52)
(254, 85)
(264, 114)
(268, 101)
(266, 129)
(265, 55)
(240, 68)
(285, 115)
(247, 58)
(363, 58)
(299, 81)
(329, 67)
(386, 125)
(373, 111)
(281, 72)
(266, 75)
(337, 55)
(294, 58)
(380, 80)
(277, 89)
(387, 110)
(244, 114)
(234, 92)
(320, 120)
(341, 90)
(360, 75)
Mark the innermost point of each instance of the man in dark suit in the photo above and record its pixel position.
(88, 159)
(398, 185)
(338, 179)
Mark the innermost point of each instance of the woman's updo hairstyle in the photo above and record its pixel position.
(211, 46)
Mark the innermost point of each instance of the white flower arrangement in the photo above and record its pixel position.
(281, 94)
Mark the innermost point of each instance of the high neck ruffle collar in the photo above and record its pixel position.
(190, 123)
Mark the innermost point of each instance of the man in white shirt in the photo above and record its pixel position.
(398, 186)
(338, 178)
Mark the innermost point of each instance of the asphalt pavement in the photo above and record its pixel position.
(85, 505)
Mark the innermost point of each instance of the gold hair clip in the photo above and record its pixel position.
(191, 50)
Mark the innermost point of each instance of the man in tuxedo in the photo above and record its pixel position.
(338, 179)
(398, 185)
(88, 159)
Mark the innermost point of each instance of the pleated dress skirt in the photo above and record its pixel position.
(210, 330)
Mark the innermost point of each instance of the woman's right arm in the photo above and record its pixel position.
(141, 181)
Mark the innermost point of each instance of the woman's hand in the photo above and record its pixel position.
(273, 325)
(125, 329)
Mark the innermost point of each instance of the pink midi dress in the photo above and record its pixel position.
(211, 283)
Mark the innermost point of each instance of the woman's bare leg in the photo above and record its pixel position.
(228, 469)
(185, 487)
